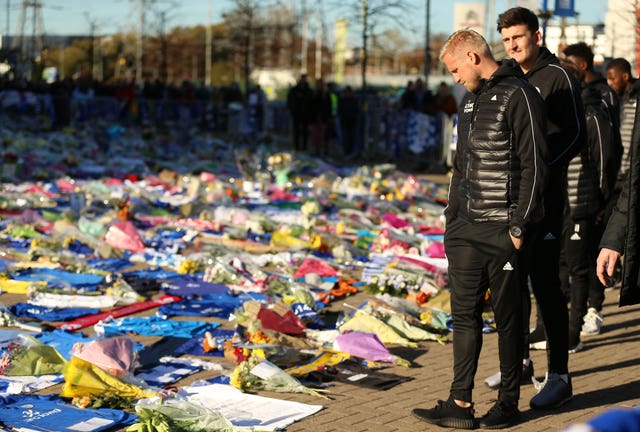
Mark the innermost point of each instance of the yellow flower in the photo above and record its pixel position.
(288, 299)
(188, 266)
(259, 337)
(235, 379)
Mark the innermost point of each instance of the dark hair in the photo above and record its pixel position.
(621, 64)
(580, 50)
(516, 16)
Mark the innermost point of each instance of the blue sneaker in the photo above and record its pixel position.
(553, 392)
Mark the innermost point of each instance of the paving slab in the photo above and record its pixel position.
(604, 375)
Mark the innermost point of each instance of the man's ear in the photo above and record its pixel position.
(583, 64)
(473, 57)
(537, 37)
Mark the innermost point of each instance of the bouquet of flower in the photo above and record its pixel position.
(174, 414)
(256, 373)
(26, 356)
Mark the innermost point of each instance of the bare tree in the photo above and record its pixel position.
(242, 22)
(161, 16)
(391, 43)
(371, 14)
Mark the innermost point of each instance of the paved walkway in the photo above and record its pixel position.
(606, 374)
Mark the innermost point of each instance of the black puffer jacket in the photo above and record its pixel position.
(623, 231)
(499, 170)
(593, 172)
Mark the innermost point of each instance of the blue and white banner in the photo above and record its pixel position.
(423, 132)
(565, 8)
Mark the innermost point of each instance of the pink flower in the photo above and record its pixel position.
(5, 361)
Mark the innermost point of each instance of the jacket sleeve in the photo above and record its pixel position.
(616, 230)
(528, 125)
(451, 211)
(601, 140)
(566, 119)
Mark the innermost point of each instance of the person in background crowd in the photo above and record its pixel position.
(321, 115)
(445, 102)
(494, 197)
(257, 101)
(298, 102)
(349, 114)
(425, 101)
(622, 82)
(125, 95)
(408, 98)
(622, 236)
(334, 131)
(581, 55)
(61, 95)
(566, 137)
(233, 93)
(590, 180)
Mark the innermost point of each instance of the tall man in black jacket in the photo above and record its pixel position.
(622, 234)
(591, 177)
(581, 55)
(494, 197)
(566, 136)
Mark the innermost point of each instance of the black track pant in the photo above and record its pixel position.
(542, 262)
(579, 252)
(482, 256)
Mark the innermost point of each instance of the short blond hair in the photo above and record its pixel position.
(467, 38)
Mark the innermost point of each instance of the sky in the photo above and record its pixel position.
(73, 17)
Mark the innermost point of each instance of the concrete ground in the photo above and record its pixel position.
(606, 374)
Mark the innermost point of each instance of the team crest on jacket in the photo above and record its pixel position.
(468, 107)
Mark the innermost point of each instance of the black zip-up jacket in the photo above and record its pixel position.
(593, 172)
(608, 96)
(499, 170)
(623, 228)
(566, 131)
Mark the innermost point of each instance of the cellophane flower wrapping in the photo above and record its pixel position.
(84, 379)
(256, 373)
(178, 414)
(26, 356)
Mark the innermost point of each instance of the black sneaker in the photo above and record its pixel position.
(447, 414)
(500, 416)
